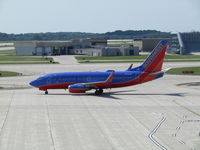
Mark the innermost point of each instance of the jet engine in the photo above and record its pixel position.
(77, 88)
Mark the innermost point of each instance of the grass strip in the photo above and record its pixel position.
(9, 63)
(134, 57)
(132, 61)
(6, 46)
(9, 73)
(185, 71)
(25, 58)
(7, 52)
(9, 57)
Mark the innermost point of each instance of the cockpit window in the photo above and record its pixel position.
(40, 78)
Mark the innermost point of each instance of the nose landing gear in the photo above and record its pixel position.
(46, 92)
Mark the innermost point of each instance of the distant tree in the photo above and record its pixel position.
(119, 34)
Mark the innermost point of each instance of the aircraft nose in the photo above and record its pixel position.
(33, 83)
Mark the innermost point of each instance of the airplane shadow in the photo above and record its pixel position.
(115, 94)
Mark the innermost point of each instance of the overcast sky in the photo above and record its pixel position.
(25, 16)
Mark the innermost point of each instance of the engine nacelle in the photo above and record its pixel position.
(77, 88)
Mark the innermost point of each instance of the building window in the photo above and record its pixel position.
(131, 52)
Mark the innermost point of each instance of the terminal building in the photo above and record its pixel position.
(143, 44)
(183, 43)
(148, 44)
(109, 51)
(189, 42)
(89, 47)
(54, 47)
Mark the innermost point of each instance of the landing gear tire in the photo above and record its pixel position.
(99, 92)
(46, 92)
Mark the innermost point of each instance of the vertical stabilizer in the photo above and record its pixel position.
(154, 61)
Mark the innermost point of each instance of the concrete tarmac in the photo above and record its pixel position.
(159, 115)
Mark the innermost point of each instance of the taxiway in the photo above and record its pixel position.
(159, 115)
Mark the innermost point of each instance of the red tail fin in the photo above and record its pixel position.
(155, 60)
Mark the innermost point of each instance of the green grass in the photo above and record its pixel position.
(134, 61)
(182, 56)
(8, 73)
(9, 57)
(179, 71)
(109, 57)
(7, 52)
(124, 44)
(24, 58)
(141, 58)
(20, 63)
(135, 57)
(108, 61)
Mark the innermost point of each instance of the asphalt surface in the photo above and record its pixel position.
(159, 115)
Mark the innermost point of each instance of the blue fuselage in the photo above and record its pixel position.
(83, 77)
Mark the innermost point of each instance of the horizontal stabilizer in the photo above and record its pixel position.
(130, 67)
(162, 71)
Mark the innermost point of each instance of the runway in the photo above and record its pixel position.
(163, 114)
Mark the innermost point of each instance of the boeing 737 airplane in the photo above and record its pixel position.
(80, 82)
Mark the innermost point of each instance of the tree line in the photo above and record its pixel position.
(129, 34)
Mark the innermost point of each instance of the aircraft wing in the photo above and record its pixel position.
(82, 87)
(93, 84)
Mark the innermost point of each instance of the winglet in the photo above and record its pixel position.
(110, 78)
(130, 67)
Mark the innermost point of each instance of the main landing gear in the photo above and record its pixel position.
(99, 91)
(46, 92)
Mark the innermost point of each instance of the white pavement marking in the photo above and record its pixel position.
(154, 131)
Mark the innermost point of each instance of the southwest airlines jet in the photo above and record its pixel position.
(80, 82)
